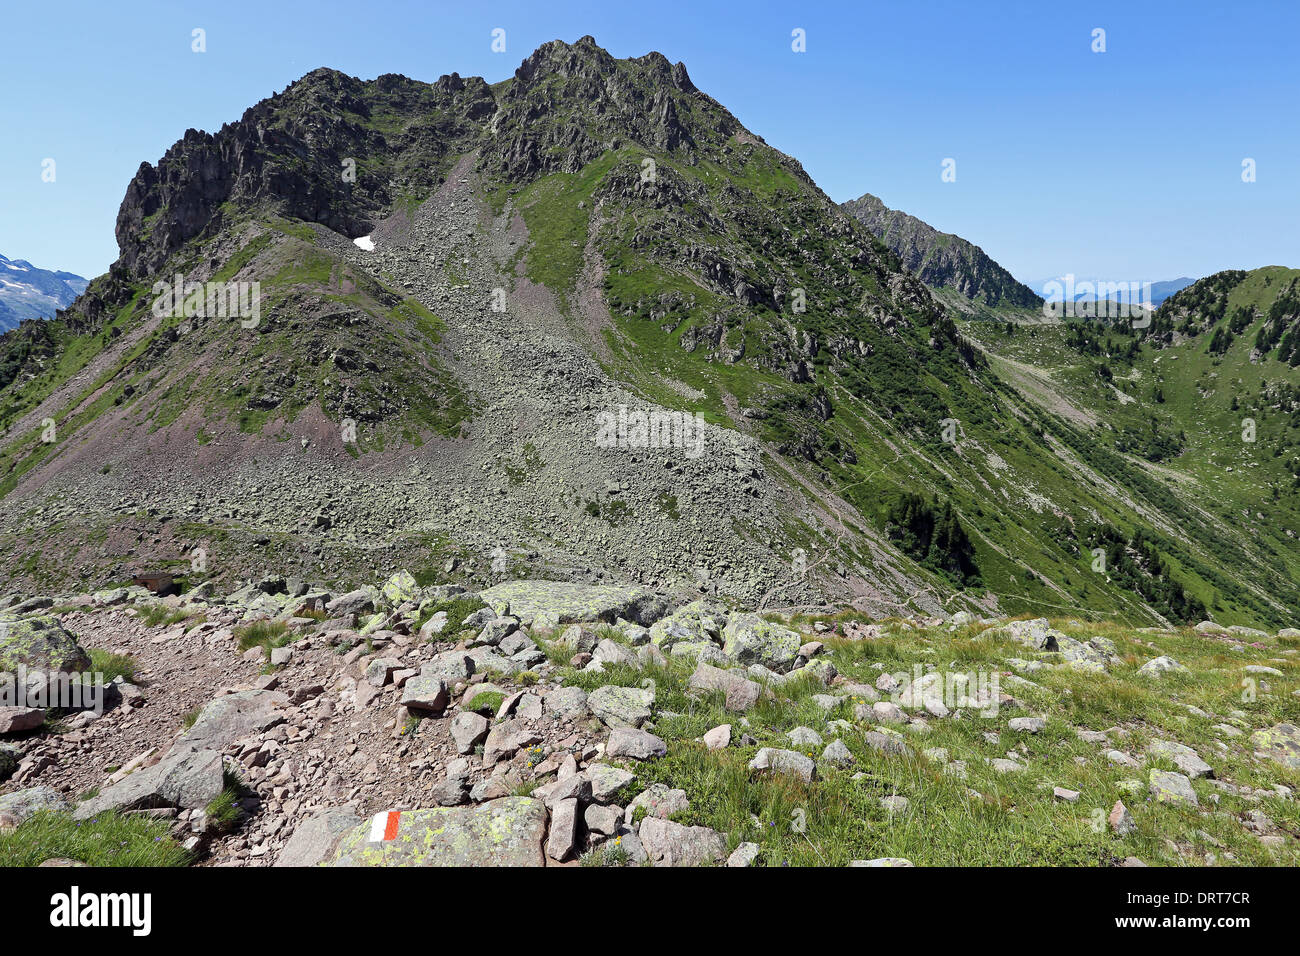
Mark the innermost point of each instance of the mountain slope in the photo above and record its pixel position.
(960, 272)
(590, 239)
(27, 292)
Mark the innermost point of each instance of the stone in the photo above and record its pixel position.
(18, 720)
(749, 639)
(38, 643)
(565, 701)
(1166, 787)
(1279, 743)
(739, 692)
(315, 839)
(552, 603)
(804, 737)
(226, 719)
(837, 753)
(510, 831)
(719, 738)
(380, 670)
(637, 744)
(400, 588)
(468, 730)
(1027, 725)
(184, 778)
(1121, 822)
(562, 838)
(1036, 634)
(671, 844)
(606, 781)
(1184, 757)
(746, 854)
(451, 666)
(507, 738)
(1159, 666)
(658, 800)
(609, 653)
(602, 820)
(784, 761)
(884, 861)
(1065, 794)
(621, 706)
(425, 694)
(21, 804)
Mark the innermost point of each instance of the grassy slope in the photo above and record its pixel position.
(1011, 819)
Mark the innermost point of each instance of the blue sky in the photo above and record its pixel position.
(1124, 164)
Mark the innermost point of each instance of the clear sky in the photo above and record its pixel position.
(1125, 164)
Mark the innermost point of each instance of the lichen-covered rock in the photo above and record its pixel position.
(621, 706)
(633, 743)
(505, 832)
(39, 643)
(1160, 666)
(1167, 787)
(751, 640)
(1279, 743)
(21, 804)
(552, 603)
(1037, 634)
(400, 588)
(740, 692)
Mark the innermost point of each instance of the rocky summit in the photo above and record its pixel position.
(548, 472)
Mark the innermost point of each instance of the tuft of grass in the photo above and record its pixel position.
(268, 634)
(160, 615)
(109, 839)
(110, 666)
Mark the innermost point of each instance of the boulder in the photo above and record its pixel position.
(184, 778)
(621, 706)
(1166, 787)
(740, 692)
(552, 603)
(315, 839)
(749, 639)
(784, 761)
(1279, 743)
(672, 844)
(659, 800)
(400, 588)
(425, 694)
(1160, 666)
(509, 831)
(636, 744)
(17, 720)
(39, 643)
(226, 719)
(21, 804)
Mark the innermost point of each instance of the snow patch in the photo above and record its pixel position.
(364, 242)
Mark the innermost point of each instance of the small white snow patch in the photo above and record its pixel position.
(364, 242)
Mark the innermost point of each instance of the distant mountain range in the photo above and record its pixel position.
(27, 292)
(1159, 290)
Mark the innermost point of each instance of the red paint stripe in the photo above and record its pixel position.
(390, 828)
